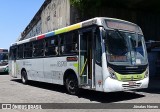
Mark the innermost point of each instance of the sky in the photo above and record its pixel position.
(15, 15)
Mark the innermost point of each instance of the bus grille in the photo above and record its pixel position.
(125, 70)
(130, 71)
(129, 79)
(134, 86)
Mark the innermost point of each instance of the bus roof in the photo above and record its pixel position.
(83, 24)
(3, 50)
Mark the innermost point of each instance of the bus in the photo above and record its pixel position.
(3, 60)
(101, 54)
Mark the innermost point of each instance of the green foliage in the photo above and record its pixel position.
(77, 3)
(87, 7)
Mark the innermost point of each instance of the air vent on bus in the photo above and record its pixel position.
(134, 86)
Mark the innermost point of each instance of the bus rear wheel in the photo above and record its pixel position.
(71, 84)
(24, 77)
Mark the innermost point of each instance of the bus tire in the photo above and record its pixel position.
(71, 84)
(24, 77)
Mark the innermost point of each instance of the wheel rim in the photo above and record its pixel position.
(24, 77)
(72, 86)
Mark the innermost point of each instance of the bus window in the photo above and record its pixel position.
(12, 53)
(68, 44)
(61, 44)
(51, 46)
(38, 48)
(28, 50)
(74, 37)
(20, 52)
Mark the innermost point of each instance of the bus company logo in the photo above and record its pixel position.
(6, 106)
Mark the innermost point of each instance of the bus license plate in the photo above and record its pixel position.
(132, 83)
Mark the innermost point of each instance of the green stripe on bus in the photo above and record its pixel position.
(130, 77)
(67, 29)
(76, 66)
(81, 72)
(63, 30)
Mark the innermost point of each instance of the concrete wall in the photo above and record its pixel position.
(54, 15)
(36, 30)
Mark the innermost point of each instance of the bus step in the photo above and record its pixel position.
(84, 75)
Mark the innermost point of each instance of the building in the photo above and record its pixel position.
(53, 14)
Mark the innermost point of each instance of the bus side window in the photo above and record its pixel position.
(75, 41)
(51, 46)
(68, 43)
(13, 53)
(38, 48)
(61, 44)
(98, 47)
(28, 50)
(20, 52)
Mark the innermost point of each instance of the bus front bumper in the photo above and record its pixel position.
(112, 85)
(3, 69)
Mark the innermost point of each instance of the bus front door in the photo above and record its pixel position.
(86, 60)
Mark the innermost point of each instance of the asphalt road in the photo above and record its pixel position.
(13, 91)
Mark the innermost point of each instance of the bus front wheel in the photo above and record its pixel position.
(71, 84)
(24, 77)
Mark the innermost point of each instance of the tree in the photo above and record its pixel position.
(87, 8)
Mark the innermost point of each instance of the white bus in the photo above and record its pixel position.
(3, 60)
(101, 54)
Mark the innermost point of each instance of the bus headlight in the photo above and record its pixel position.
(112, 73)
(146, 73)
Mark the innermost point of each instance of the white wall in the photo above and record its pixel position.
(56, 15)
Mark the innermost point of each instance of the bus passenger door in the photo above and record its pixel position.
(86, 58)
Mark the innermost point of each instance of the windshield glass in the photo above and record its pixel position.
(3, 57)
(125, 48)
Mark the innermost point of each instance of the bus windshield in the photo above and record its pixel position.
(3, 57)
(125, 48)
